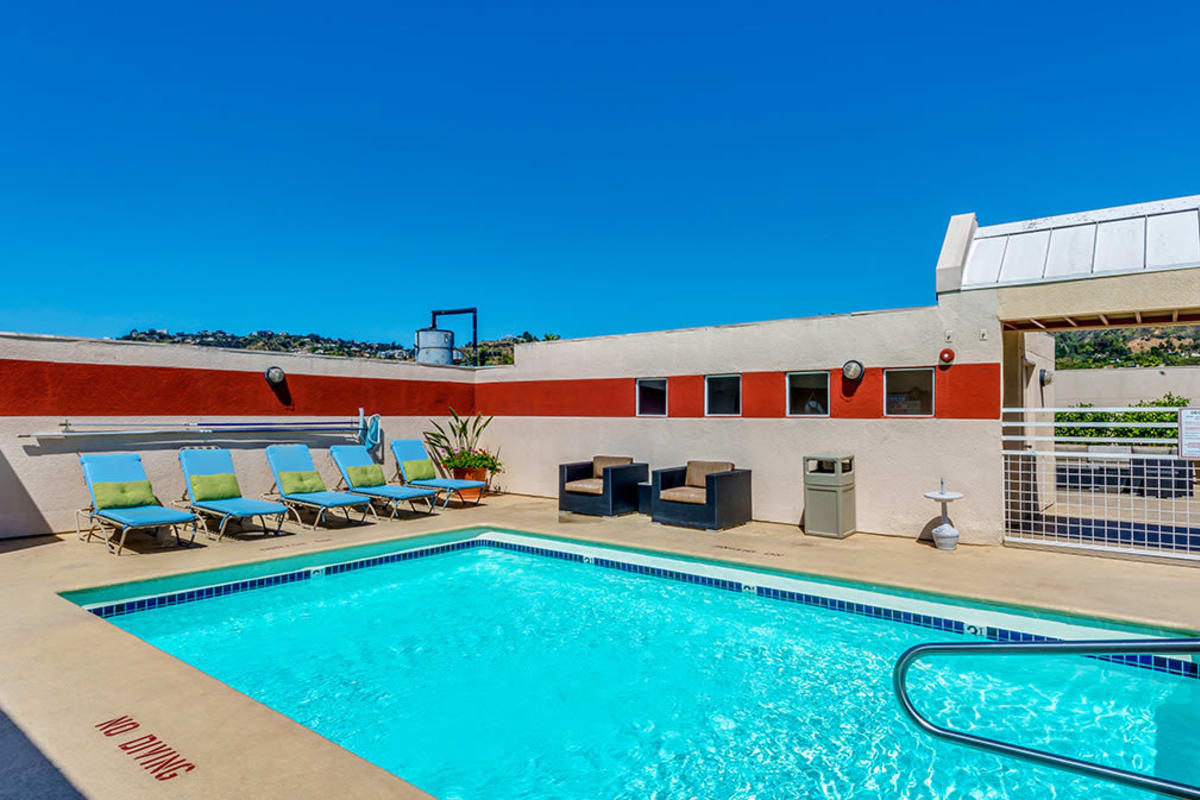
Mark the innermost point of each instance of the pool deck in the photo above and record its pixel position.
(64, 671)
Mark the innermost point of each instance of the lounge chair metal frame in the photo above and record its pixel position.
(441, 490)
(201, 512)
(390, 502)
(483, 485)
(294, 505)
(99, 525)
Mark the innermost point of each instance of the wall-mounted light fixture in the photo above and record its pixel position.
(1045, 377)
(946, 356)
(275, 376)
(852, 370)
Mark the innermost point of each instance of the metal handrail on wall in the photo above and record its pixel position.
(1089, 647)
(71, 430)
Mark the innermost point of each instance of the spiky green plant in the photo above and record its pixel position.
(459, 434)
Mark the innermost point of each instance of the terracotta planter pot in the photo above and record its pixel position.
(477, 474)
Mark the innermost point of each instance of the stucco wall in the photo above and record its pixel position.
(46, 379)
(41, 484)
(898, 459)
(561, 401)
(1122, 387)
(901, 337)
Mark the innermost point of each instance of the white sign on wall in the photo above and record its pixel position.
(1189, 433)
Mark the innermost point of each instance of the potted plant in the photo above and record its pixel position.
(473, 465)
(456, 448)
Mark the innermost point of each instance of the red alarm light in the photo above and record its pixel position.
(946, 356)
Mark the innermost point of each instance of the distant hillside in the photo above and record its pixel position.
(495, 351)
(1128, 347)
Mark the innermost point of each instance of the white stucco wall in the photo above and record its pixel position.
(1122, 387)
(41, 484)
(967, 322)
(40, 481)
(898, 459)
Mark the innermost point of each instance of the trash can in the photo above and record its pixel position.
(829, 495)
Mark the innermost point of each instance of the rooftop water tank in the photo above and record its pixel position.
(435, 346)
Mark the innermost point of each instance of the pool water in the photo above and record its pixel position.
(487, 674)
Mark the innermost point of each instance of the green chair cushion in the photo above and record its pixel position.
(123, 494)
(221, 486)
(367, 475)
(301, 482)
(419, 470)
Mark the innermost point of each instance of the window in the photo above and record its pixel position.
(723, 395)
(908, 392)
(652, 397)
(808, 394)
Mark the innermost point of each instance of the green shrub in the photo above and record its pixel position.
(1063, 420)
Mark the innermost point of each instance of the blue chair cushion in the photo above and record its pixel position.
(242, 507)
(139, 516)
(329, 499)
(395, 492)
(289, 458)
(449, 483)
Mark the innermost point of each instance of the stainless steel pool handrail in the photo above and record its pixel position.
(1083, 647)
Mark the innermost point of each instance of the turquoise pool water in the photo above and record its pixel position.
(485, 673)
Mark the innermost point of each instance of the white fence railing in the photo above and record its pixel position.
(1100, 479)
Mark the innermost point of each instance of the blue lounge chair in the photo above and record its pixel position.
(211, 490)
(300, 485)
(352, 460)
(412, 452)
(123, 501)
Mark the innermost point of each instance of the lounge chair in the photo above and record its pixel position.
(211, 490)
(605, 486)
(300, 485)
(415, 468)
(362, 475)
(123, 501)
(704, 494)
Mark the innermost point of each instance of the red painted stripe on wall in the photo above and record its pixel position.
(36, 388)
(685, 396)
(41, 388)
(764, 394)
(592, 397)
(967, 391)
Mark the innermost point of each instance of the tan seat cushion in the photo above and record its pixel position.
(697, 470)
(586, 486)
(685, 494)
(600, 462)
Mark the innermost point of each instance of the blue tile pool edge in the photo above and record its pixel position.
(1156, 663)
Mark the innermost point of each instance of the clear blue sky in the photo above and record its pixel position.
(582, 169)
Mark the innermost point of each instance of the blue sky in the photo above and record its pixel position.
(344, 168)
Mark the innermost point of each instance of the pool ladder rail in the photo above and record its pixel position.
(1083, 647)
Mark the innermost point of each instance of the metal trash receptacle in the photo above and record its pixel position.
(829, 505)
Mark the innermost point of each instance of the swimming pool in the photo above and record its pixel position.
(491, 664)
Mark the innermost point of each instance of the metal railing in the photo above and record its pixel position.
(1091, 648)
(1107, 479)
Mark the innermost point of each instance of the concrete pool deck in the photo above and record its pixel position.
(63, 671)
